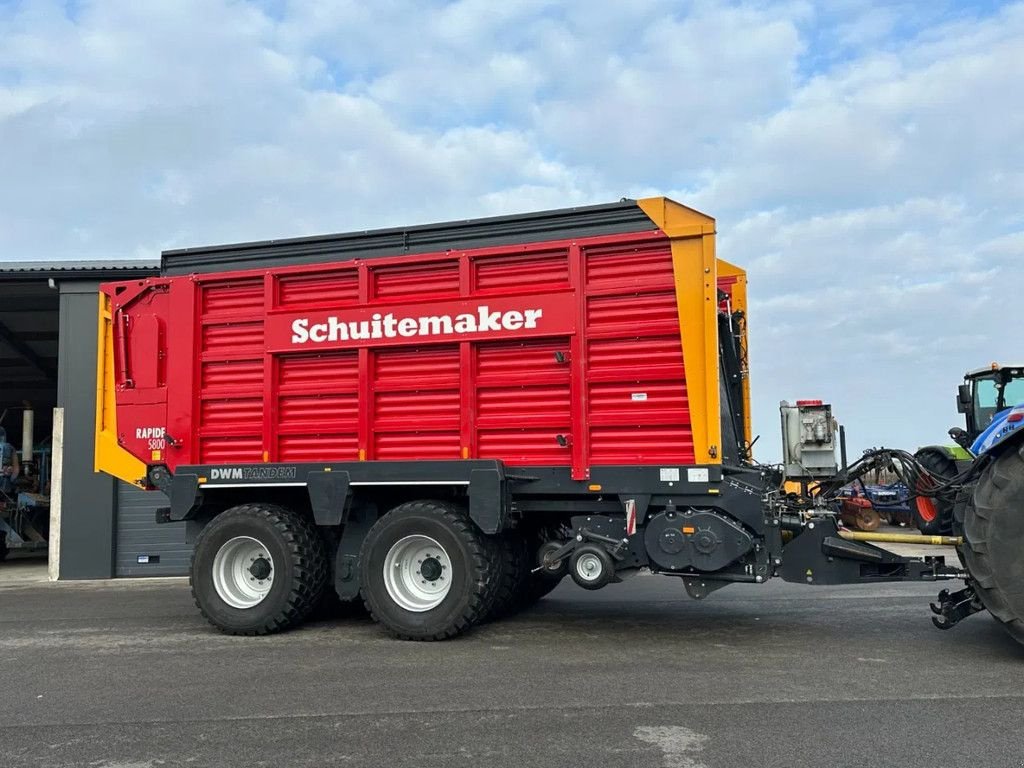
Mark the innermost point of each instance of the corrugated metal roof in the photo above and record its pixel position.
(41, 270)
(76, 266)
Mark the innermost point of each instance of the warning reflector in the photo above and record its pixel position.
(630, 517)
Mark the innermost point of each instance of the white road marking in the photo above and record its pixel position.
(680, 746)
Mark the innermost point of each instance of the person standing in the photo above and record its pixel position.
(9, 464)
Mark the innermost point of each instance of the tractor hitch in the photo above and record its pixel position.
(954, 607)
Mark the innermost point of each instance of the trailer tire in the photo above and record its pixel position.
(934, 516)
(285, 550)
(992, 524)
(514, 574)
(332, 607)
(405, 560)
(539, 586)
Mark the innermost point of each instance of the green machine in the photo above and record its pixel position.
(985, 392)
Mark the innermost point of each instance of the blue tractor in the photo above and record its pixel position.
(982, 494)
(984, 397)
(989, 514)
(978, 496)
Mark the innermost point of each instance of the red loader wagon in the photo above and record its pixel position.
(445, 420)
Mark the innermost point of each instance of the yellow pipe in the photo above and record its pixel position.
(903, 538)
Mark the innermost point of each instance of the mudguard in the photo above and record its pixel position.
(1005, 426)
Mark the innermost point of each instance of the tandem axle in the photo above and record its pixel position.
(533, 526)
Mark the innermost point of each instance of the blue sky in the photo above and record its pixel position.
(865, 161)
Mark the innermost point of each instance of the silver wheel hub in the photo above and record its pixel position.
(417, 573)
(243, 572)
(589, 567)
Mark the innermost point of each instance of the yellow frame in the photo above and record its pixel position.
(692, 235)
(110, 457)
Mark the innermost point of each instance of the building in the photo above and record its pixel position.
(99, 527)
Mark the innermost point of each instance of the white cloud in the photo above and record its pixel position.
(864, 161)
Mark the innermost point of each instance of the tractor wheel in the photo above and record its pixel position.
(992, 524)
(933, 516)
(427, 573)
(258, 569)
(4, 551)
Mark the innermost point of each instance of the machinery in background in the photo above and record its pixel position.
(984, 394)
(25, 505)
(866, 506)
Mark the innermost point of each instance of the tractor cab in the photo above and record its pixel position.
(986, 392)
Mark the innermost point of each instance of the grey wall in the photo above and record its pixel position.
(88, 499)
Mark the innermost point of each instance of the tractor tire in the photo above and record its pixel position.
(258, 569)
(4, 551)
(934, 516)
(426, 571)
(992, 523)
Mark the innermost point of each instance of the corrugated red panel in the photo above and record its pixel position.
(231, 375)
(225, 450)
(636, 391)
(318, 407)
(642, 444)
(231, 414)
(632, 315)
(618, 359)
(318, 410)
(234, 338)
(231, 370)
(624, 265)
(335, 288)
(398, 446)
(523, 401)
(417, 404)
(335, 371)
(233, 296)
(417, 367)
(416, 281)
(577, 341)
(523, 446)
(509, 272)
(318, 447)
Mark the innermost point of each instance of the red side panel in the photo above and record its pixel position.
(229, 420)
(638, 411)
(560, 353)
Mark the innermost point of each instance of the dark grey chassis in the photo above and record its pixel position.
(741, 507)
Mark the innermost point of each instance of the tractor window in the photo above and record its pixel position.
(986, 395)
(1013, 394)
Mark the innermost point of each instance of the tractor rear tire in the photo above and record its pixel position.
(426, 572)
(934, 516)
(258, 569)
(992, 524)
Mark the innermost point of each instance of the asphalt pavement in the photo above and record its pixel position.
(114, 675)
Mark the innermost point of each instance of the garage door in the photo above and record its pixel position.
(143, 547)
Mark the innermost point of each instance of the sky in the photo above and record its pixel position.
(864, 161)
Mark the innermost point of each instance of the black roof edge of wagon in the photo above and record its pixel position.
(539, 226)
